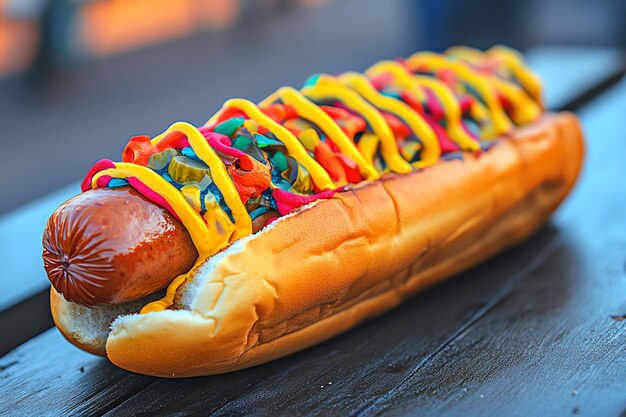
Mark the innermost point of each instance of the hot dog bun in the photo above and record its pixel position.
(326, 268)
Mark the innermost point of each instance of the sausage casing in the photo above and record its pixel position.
(109, 246)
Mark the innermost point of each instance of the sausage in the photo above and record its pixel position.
(109, 246)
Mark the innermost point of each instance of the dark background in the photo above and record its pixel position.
(67, 103)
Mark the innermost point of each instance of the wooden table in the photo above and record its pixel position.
(538, 330)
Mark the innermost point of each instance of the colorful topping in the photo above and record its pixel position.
(183, 169)
(251, 164)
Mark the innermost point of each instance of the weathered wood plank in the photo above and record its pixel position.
(21, 255)
(549, 348)
(24, 300)
(48, 376)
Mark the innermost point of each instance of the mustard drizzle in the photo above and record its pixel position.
(433, 62)
(526, 99)
(243, 223)
(327, 88)
(416, 123)
(310, 111)
(198, 230)
(522, 73)
(513, 61)
(414, 83)
(293, 145)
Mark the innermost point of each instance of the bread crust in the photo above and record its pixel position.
(60, 315)
(329, 267)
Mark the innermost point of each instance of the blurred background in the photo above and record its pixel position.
(79, 77)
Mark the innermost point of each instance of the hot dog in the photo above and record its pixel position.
(94, 258)
(278, 225)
